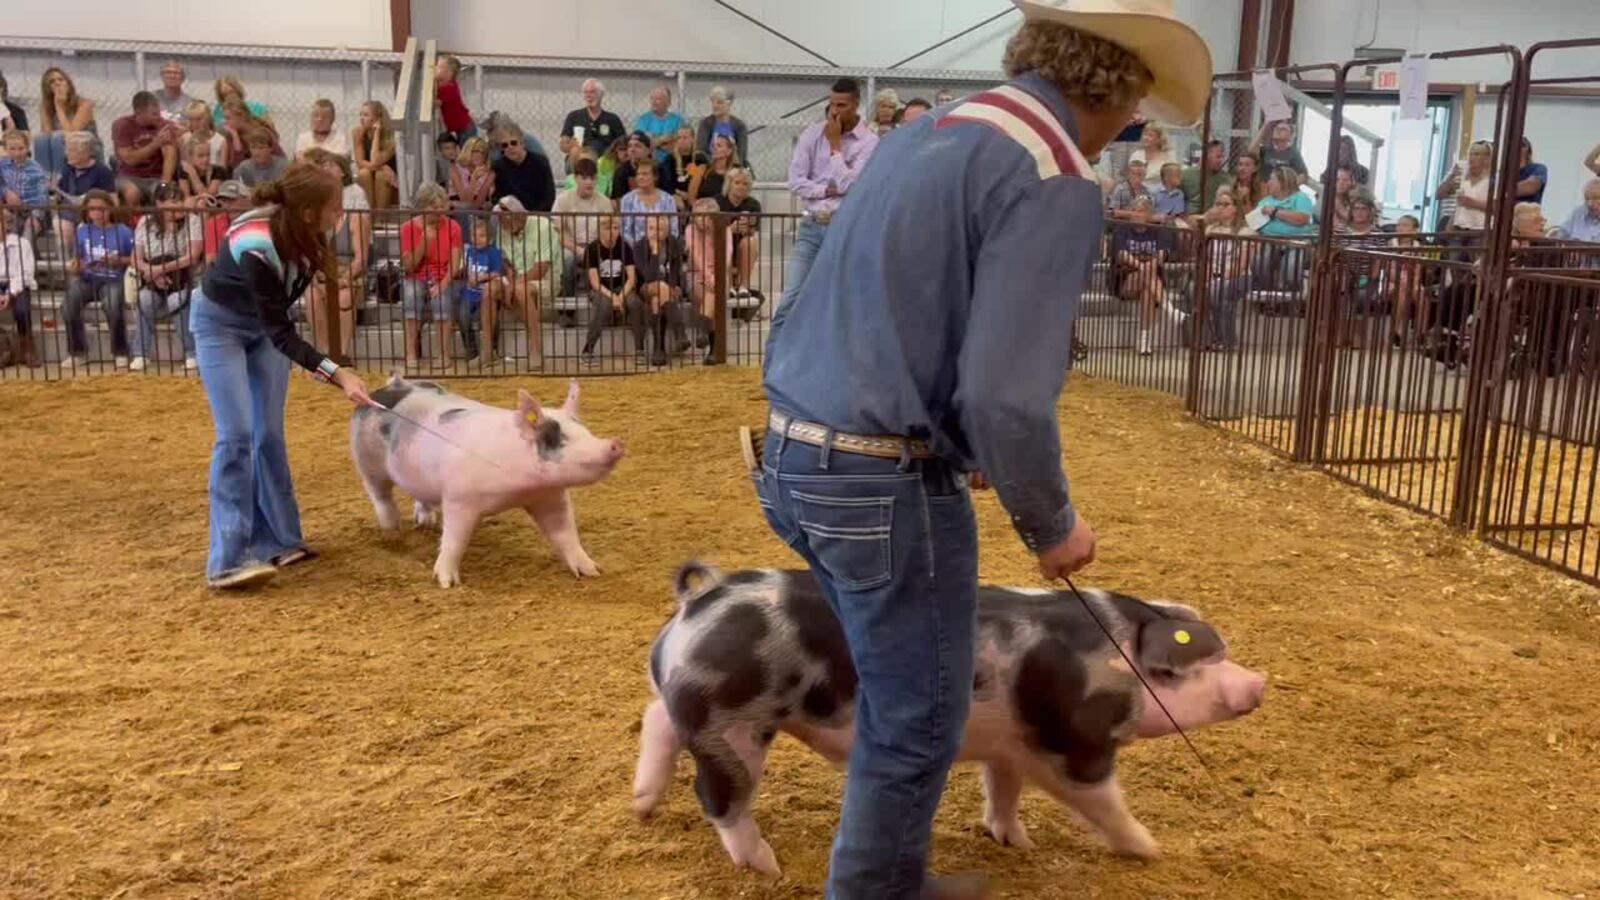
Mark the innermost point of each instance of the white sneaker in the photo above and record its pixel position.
(137, 365)
(1144, 343)
(190, 363)
(72, 362)
(122, 362)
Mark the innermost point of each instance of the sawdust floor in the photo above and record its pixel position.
(354, 732)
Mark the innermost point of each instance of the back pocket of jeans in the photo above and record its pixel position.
(850, 536)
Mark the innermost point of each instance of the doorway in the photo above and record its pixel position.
(1406, 168)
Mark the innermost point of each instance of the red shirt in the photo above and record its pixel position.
(456, 115)
(216, 231)
(128, 132)
(435, 264)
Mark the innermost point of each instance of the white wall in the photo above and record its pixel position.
(304, 23)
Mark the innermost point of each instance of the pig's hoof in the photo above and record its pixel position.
(1010, 834)
(645, 803)
(447, 578)
(1138, 844)
(584, 567)
(763, 860)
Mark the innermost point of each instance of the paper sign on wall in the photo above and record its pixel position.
(1414, 87)
(1269, 95)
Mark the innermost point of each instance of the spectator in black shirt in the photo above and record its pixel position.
(608, 265)
(14, 114)
(639, 144)
(524, 175)
(600, 127)
(745, 229)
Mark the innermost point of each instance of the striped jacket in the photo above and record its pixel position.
(941, 302)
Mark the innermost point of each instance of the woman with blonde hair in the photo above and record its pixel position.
(61, 110)
(885, 111)
(239, 122)
(372, 142)
(230, 89)
(1155, 147)
(1230, 267)
(707, 184)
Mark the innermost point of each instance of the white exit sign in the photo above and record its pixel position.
(1386, 78)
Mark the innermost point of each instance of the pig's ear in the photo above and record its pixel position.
(1171, 646)
(529, 414)
(570, 407)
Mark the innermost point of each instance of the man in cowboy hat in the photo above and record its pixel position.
(930, 340)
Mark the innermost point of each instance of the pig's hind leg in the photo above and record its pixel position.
(658, 758)
(554, 517)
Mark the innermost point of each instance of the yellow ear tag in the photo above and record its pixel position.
(533, 417)
(1181, 637)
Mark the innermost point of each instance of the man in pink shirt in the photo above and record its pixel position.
(828, 159)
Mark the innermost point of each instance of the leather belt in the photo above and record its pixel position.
(884, 447)
(823, 216)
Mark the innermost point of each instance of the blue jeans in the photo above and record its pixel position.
(153, 306)
(254, 516)
(1222, 317)
(895, 548)
(416, 304)
(50, 151)
(808, 237)
(108, 292)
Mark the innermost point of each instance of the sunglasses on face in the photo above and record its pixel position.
(506, 145)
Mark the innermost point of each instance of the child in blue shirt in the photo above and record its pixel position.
(23, 181)
(485, 289)
(104, 251)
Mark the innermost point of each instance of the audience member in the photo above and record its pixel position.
(533, 255)
(18, 281)
(83, 173)
(1531, 176)
(197, 177)
(745, 229)
(828, 158)
(1155, 147)
(590, 126)
(704, 258)
(622, 181)
(915, 109)
(1527, 221)
(1582, 225)
(1230, 268)
(1130, 189)
(722, 121)
(373, 143)
(237, 122)
(197, 121)
(944, 96)
(1280, 151)
(1289, 212)
(1249, 188)
(104, 249)
(12, 116)
(1216, 178)
(447, 96)
(1471, 189)
(174, 102)
(484, 289)
(352, 242)
(1361, 284)
(1344, 183)
(689, 163)
(612, 279)
(263, 165)
(579, 210)
(660, 124)
(430, 254)
(522, 174)
(322, 134)
(1139, 249)
(1409, 300)
(229, 89)
(447, 154)
(167, 247)
(885, 111)
(147, 149)
(646, 202)
(471, 179)
(658, 257)
(724, 159)
(1170, 203)
(60, 110)
(1360, 176)
(233, 198)
(23, 182)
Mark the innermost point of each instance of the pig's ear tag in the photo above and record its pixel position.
(533, 417)
(1181, 636)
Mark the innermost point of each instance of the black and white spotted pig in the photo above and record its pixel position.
(750, 653)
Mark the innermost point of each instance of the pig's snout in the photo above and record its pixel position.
(615, 450)
(1244, 691)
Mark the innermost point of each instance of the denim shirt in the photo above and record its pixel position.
(941, 303)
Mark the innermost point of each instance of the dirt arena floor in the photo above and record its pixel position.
(355, 732)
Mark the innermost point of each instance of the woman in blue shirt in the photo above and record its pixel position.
(1290, 213)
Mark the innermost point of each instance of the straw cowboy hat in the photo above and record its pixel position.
(1175, 54)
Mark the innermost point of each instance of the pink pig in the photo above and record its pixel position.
(481, 461)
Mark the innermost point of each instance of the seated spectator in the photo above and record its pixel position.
(174, 102)
(885, 112)
(238, 122)
(1230, 269)
(197, 121)
(1280, 151)
(484, 289)
(646, 202)
(81, 175)
(524, 175)
(531, 250)
(659, 259)
(578, 216)
(197, 177)
(352, 243)
(447, 99)
(1590, 162)
(1138, 250)
(1582, 225)
(233, 198)
(322, 133)
(12, 116)
(431, 251)
(724, 159)
(147, 149)
(1527, 223)
(1155, 147)
(1249, 187)
(689, 164)
(915, 109)
(603, 174)
(1344, 183)
(610, 164)
(447, 153)
(1129, 190)
(945, 95)
(1360, 176)
(23, 183)
(168, 246)
(104, 251)
(1409, 300)
(499, 127)
(639, 149)
(1361, 294)
(373, 144)
(1471, 189)
(1216, 178)
(1170, 204)
(18, 280)
(1289, 213)
(660, 124)
(61, 110)
(704, 258)
(471, 179)
(263, 165)
(590, 126)
(1531, 176)
(230, 89)
(722, 122)
(746, 230)
(612, 277)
